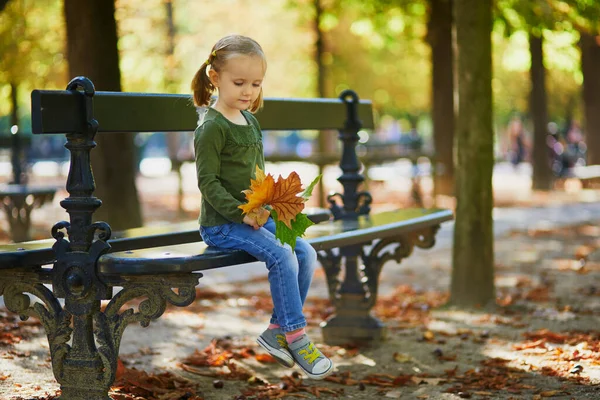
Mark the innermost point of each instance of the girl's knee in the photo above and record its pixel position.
(307, 256)
(283, 255)
(311, 257)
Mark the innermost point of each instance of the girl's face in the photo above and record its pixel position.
(239, 83)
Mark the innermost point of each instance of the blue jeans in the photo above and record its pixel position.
(290, 272)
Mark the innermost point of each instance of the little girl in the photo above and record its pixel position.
(228, 147)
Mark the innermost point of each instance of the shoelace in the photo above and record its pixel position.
(311, 354)
(281, 341)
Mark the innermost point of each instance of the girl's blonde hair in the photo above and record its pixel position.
(223, 50)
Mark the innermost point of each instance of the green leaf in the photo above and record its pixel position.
(287, 235)
(308, 191)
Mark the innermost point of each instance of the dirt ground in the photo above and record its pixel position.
(542, 341)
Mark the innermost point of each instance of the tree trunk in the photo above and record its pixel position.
(473, 251)
(92, 52)
(590, 66)
(439, 37)
(17, 157)
(542, 173)
(326, 139)
(173, 138)
(3, 4)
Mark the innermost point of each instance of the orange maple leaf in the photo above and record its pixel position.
(282, 196)
(259, 178)
(259, 194)
(285, 200)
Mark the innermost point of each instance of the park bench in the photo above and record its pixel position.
(19, 198)
(588, 175)
(85, 263)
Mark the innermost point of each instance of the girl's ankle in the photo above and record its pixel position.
(290, 337)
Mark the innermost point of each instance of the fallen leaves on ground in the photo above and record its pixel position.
(46, 396)
(290, 386)
(493, 376)
(576, 347)
(13, 330)
(409, 307)
(221, 359)
(222, 353)
(136, 385)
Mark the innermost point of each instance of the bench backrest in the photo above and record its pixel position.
(63, 111)
(80, 112)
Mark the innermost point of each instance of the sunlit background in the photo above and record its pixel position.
(380, 52)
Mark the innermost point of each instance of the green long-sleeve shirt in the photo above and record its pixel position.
(226, 158)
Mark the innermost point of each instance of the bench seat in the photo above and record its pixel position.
(199, 257)
(588, 175)
(40, 252)
(161, 265)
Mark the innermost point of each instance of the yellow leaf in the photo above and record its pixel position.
(260, 175)
(259, 194)
(260, 217)
(551, 393)
(402, 357)
(428, 381)
(285, 200)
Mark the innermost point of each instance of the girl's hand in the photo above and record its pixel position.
(257, 217)
(263, 216)
(248, 220)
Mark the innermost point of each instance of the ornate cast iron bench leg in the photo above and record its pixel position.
(355, 296)
(86, 368)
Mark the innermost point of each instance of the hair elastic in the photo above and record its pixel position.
(213, 55)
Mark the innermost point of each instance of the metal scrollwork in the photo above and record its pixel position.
(331, 263)
(353, 203)
(54, 319)
(334, 207)
(110, 325)
(425, 239)
(364, 200)
(103, 229)
(57, 229)
(382, 252)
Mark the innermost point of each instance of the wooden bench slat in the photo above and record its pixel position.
(376, 226)
(199, 257)
(39, 252)
(61, 111)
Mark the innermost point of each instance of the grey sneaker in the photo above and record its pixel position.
(310, 359)
(273, 341)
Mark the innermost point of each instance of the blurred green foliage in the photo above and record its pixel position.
(376, 47)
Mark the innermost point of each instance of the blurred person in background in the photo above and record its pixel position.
(518, 149)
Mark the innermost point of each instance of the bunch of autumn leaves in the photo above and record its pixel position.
(285, 198)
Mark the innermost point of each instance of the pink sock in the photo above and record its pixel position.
(273, 326)
(290, 337)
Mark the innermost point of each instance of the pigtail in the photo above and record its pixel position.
(202, 87)
(258, 103)
(226, 47)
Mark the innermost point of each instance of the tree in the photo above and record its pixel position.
(535, 17)
(590, 66)
(31, 41)
(326, 139)
(439, 37)
(584, 16)
(538, 107)
(92, 52)
(473, 251)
